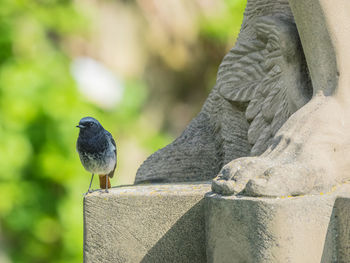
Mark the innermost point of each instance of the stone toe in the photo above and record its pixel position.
(284, 180)
(224, 187)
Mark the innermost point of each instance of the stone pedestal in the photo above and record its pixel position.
(289, 229)
(146, 223)
(187, 223)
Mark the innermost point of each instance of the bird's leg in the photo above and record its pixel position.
(92, 177)
(106, 183)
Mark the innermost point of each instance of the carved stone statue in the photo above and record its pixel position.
(276, 122)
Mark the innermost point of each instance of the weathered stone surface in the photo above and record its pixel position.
(149, 223)
(308, 153)
(306, 229)
(173, 223)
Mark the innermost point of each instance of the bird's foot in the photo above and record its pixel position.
(103, 191)
(89, 191)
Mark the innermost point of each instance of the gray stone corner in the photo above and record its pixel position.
(146, 223)
(300, 229)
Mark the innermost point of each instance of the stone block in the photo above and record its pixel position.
(146, 223)
(308, 229)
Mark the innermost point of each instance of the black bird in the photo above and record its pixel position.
(97, 151)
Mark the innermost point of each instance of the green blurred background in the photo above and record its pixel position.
(142, 67)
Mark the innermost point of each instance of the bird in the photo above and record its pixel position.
(97, 151)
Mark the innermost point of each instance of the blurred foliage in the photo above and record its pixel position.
(226, 25)
(41, 181)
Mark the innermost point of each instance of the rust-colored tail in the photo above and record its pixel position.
(103, 181)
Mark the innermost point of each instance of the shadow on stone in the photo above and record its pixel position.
(184, 242)
(337, 244)
(329, 253)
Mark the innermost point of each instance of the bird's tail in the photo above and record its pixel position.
(103, 181)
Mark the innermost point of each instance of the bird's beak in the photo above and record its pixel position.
(80, 126)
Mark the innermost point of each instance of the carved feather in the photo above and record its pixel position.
(259, 72)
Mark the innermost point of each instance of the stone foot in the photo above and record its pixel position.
(308, 155)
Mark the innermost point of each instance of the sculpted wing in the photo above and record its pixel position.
(268, 73)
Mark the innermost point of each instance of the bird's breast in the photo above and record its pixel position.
(98, 162)
(96, 155)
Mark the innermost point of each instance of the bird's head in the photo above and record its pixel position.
(89, 126)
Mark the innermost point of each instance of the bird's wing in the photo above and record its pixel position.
(110, 137)
(268, 74)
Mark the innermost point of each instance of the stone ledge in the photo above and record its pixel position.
(146, 223)
(295, 229)
(174, 223)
